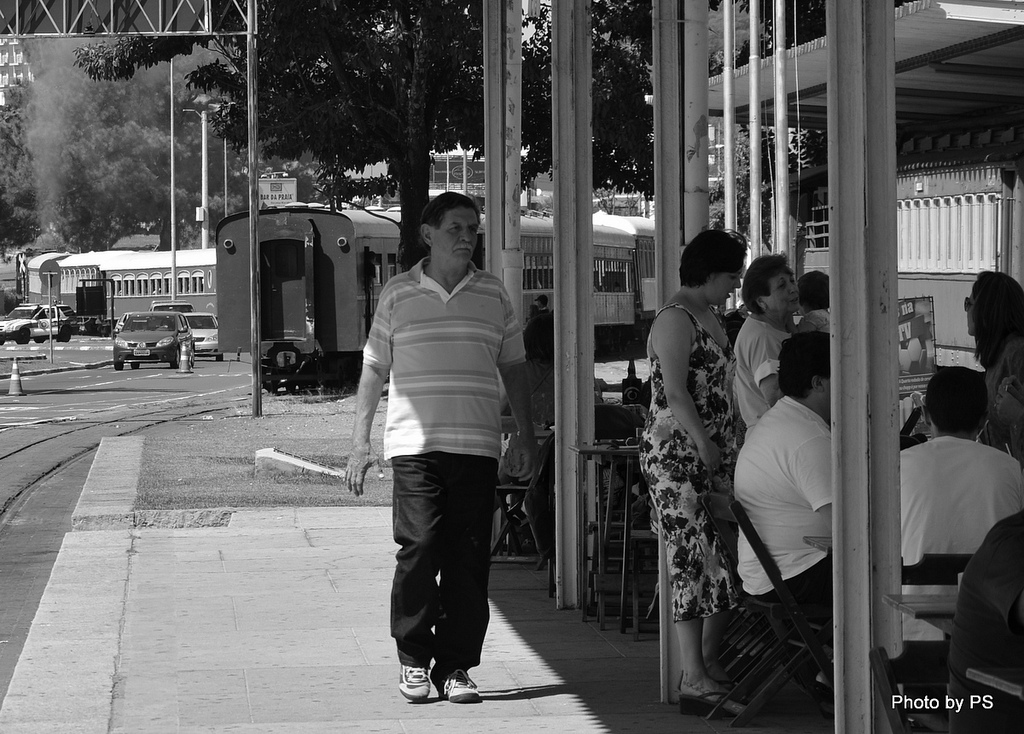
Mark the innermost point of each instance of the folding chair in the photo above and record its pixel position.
(797, 642)
(921, 664)
(936, 569)
(508, 534)
(749, 636)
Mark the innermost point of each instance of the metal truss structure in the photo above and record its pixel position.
(123, 17)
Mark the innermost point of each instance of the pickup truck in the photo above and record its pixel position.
(32, 321)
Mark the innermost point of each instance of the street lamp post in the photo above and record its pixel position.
(174, 229)
(203, 212)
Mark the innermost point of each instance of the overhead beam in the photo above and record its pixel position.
(959, 95)
(947, 67)
(123, 17)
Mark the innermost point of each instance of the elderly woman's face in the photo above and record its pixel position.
(783, 295)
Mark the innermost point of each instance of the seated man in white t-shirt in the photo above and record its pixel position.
(952, 488)
(784, 476)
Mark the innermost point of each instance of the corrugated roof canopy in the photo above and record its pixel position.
(959, 64)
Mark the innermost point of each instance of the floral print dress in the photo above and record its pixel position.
(701, 576)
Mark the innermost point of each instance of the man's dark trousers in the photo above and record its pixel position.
(443, 504)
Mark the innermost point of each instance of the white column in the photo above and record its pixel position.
(729, 117)
(781, 198)
(865, 448)
(754, 66)
(571, 137)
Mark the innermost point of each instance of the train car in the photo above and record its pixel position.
(623, 274)
(321, 272)
(133, 279)
(953, 222)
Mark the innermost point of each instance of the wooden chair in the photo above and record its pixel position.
(749, 640)
(921, 667)
(922, 664)
(936, 569)
(800, 630)
(508, 538)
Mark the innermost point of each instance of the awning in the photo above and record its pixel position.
(959, 65)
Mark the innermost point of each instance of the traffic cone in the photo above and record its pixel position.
(185, 363)
(15, 380)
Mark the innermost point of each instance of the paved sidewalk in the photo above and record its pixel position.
(277, 623)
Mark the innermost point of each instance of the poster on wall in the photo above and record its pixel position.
(916, 344)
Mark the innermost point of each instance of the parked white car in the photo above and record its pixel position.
(32, 321)
(204, 331)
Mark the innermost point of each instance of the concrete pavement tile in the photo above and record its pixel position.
(149, 701)
(294, 584)
(376, 644)
(375, 726)
(271, 519)
(50, 727)
(268, 648)
(344, 517)
(82, 707)
(212, 697)
(311, 612)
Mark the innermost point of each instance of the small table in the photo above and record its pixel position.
(821, 542)
(935, 609)
(1007, 680)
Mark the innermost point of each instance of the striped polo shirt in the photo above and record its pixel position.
(443, 351)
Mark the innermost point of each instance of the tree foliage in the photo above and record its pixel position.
(350, 84)
(18, 222)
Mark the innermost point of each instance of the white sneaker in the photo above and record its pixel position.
(414, 683)
(459, 688)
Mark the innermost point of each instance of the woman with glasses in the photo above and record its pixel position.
(995, 318)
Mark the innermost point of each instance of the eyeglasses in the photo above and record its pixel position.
(968, 303)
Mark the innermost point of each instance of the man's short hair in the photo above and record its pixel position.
(541, 299)
(802, 357)
(433, 213)
(956, 399)
(757, 279)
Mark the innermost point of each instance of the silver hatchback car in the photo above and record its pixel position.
(152, 336)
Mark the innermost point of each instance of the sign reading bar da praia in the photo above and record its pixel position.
(277, 191)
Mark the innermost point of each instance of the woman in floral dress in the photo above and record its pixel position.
(688, 448)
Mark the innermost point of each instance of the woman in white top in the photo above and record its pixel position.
(771, 296)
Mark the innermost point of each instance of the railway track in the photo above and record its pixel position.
(41, 450)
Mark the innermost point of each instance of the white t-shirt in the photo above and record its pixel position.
(783, 476)
(757, 357)
(952, 491)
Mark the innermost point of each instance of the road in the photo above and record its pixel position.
(47, 440)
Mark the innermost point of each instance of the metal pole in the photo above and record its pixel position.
(756, 237)
(225, 177)
(729, 169)
(174, 230)
(206, 185)
(254, 208)
(782, 243)
(49, 287)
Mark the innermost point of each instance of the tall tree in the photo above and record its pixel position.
(19, 225)
(352, 84)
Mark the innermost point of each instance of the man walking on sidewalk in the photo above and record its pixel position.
(444, 330)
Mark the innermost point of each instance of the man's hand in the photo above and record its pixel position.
(526, 448)
(359, 461)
